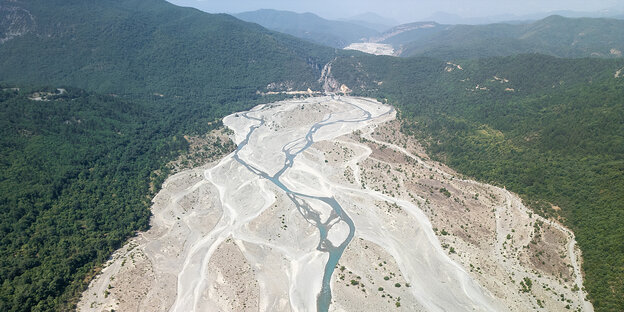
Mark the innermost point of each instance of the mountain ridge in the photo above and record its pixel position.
(554, 35)
(309, 26)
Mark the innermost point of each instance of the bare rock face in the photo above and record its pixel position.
(329, 83)
(326, 205)
(14, 22)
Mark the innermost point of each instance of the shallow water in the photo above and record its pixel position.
(299, 199)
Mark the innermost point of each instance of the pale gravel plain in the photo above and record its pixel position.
(225, 239)
(372, 48)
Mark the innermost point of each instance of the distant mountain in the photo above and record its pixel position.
(373, 21)
(451, 19)
(337, 34)
(554, 35)
(374, 18)
(454, 19)
(411, 32)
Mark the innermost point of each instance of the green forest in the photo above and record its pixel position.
(558, 138)
(78, 170)
(75, 182)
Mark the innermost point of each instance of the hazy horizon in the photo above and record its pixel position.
(408, 11)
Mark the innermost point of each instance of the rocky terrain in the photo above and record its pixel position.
(372, 48)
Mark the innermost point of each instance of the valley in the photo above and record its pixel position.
(325, 196)
(329, 182)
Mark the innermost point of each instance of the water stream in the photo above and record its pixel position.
(299, 199)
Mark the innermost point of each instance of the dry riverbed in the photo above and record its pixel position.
(226, 238)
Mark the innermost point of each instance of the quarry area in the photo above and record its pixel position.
(372, 48)
(326, 205)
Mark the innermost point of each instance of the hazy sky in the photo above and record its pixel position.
(405, 10)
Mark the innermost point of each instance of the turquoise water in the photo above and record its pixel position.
(299, 199)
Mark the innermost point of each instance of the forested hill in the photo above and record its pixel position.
(149, 46)
(549, 129)
(76, 169)
(555, 35)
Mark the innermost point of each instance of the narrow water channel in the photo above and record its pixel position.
(299, 199)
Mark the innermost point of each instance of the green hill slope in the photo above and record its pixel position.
(151, 46)
(76, 170)
(551, 130)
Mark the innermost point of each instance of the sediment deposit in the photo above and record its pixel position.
(325, 204)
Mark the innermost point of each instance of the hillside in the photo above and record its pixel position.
(308, 26)
(554, 35)
(373, 21)
(549, 129)
(147, 47)
(76, 171)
